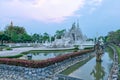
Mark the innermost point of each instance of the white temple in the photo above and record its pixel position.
(72, 37)
(75, 34)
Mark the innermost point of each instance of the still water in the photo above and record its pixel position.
(93, 70)
(42, 55)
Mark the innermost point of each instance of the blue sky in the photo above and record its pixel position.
(39, 16)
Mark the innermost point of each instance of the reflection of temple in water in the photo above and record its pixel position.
(98, 72)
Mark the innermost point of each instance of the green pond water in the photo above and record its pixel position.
(92, 70)
(42, 55)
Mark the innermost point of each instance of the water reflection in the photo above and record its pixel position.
(39, 55)
(98, 72)
(93, 70)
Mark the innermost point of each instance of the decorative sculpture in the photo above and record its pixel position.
(99, 51)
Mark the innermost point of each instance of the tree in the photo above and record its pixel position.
(16, 33)
(35, 37)
(46, 37)
(52, 38)
(3, 38)
(24, 38)
(27, 38)
(60, 33)
(114, 37)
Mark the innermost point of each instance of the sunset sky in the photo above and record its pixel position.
(39, 16)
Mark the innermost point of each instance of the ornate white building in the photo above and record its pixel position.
(75, 34)
(71, 37)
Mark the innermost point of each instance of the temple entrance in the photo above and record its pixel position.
(73, 35)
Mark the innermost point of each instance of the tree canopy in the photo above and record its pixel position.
(114, 37)
(60, 33)
(17, 34)
(3, 38)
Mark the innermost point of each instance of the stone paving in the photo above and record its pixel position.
(8, 72)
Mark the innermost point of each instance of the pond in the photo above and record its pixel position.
(42, 55)
(92, 70)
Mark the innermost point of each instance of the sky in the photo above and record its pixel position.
(95, 17)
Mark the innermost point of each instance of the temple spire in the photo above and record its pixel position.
(77, 23)
(11, 24)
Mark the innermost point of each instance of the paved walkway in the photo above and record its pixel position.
(17, 51)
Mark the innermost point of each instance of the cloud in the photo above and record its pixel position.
(43, 10)
(93, 4)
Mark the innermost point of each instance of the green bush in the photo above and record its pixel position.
(76, 48)
(88, 48)
(1, 49)
(8, 48)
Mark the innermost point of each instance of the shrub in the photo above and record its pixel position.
(88, 48)
(76, 48)
(8, 48)
(1, 49)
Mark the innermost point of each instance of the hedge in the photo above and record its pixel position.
(43, 63)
